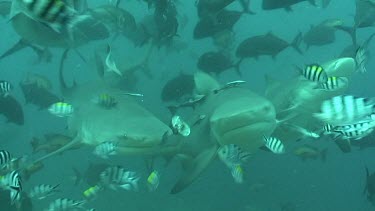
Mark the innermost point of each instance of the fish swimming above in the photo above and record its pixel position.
(267, 44)
(178, 87)
(279, 4)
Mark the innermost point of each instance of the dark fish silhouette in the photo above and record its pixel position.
(12, 110)
(268, 44)
(215, 62)
(178, 87)
(38, 96)
(286, 4)
(208, 27)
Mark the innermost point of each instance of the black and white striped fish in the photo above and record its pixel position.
(105, 149)
(315, 72)
(116, 177)
(274, 145)
(54, 13)
(12, 182)
(64, 204)
(334, 83)
(5, 88)
(5, 158)
(43, 191)
(345, 109)
(327, 129)
(352, 134)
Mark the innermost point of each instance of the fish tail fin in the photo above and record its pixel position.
(352, 31)
(323, 155)
(296, 43)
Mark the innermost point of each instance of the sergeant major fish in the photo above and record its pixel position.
(54, 13)
(116, 177)
(12, 182)
(233, 156)
(61, 109)
(105, 149)
(43, 191)
(5, 88)
(274, 145)
(64, 204)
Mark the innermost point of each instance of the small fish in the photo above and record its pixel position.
(61, 109)
(116, 177)
(105, 149)
(64, 204)
(327, 129)
(179, 126)
(12, 182)
(232, 155)
(92, 192)
(153, 180)
(345, 109)
(54, 13)
(361, 57)
(302, 130)
(133, 94)
(353, 133)
(105, 100)
(110, 63)
(5, 158)
(229, 85)
(43, 191)
(237, 173)
(191, 102)
(334, 83)
(5, 88)
(274, 145)
(315, 72)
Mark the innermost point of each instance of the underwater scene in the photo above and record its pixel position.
(187, 105)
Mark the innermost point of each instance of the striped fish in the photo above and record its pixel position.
(64, 204)
(315, 72)
(105, 149)
(153, 180)
(353, 134)
(274, 145)
(54, 13)
(237, 173)
(345, 109)
(5, 88)
(232, 155)
(61, 109)
(5, 158)
(43, 191)
(327, 129)
(106, 101)
(334, 83)
(92, 192)
(116, 177)
(12, 182)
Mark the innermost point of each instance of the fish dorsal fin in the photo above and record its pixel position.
(204, 83)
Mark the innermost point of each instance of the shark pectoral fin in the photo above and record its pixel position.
(194, 167)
